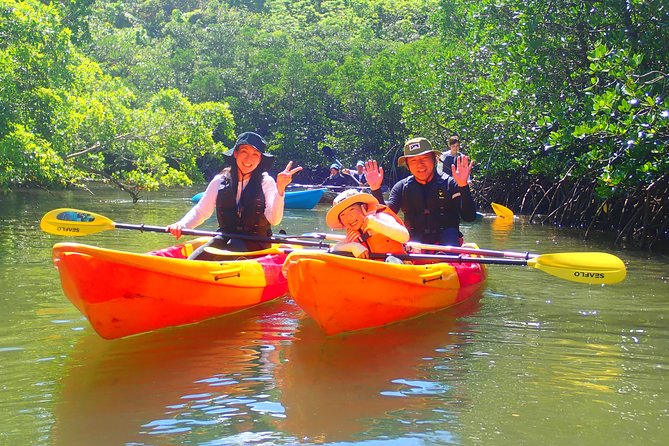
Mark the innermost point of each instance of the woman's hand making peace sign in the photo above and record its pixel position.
(285, 177)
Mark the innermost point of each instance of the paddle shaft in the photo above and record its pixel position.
(592, 268)
(318, 186)
(462, 250)
(603, 268)
(453, 259)
(444, 248)
(330, 152)
(198, 232)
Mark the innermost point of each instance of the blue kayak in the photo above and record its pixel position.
(303, 199)
(197, 197)
(300, 199)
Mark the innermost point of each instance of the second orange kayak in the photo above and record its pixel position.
(345, 294)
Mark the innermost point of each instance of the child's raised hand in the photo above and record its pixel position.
(352, 235)
(365, 221)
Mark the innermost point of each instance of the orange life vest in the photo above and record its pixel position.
(379, 243)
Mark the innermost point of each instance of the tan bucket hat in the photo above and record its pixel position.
(415, 147)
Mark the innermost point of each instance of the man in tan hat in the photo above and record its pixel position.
(370, 227)
(432, 204)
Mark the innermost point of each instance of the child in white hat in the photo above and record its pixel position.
(370, 227)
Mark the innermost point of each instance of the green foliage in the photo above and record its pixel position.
(629, 122)
(534, 88)
(275, 65)
(568, 87)
(65, 121)
(29, 160)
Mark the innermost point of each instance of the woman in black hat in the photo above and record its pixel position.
(245, 197)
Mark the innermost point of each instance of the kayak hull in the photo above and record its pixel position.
(302, 199)
(123, 294)
(298, 199)
(345, 294)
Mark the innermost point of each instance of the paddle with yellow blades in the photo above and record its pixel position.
(584, 267)
(502, 211)
(73, 222)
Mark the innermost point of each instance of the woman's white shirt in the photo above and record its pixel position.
(207, 205)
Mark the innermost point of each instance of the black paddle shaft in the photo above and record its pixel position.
(327, 150)
(284, 239)
(453, 258)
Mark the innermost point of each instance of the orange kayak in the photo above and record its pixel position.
(123, 293)
(345, 294)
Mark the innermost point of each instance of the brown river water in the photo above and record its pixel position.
(536, 359)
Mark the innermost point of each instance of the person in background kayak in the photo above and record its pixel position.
(449, 158)
(359, 174)
(432, 204)
(337, 179)
(370, 227)
(245, 197)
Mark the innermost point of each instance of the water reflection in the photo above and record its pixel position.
(76, 216)
(589, 367)
(501, 228)
(371, 383)
(212, 375)
(254, 372)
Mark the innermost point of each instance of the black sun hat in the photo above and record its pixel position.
(257, 142)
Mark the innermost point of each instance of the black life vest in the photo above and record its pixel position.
(431, 208)
(359, 177)
(335, 180)
(247, 217)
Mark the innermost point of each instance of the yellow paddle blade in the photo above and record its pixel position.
(74, 222)
(501, 210)
(584, 267)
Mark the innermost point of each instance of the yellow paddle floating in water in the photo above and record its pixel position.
(502, 211)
